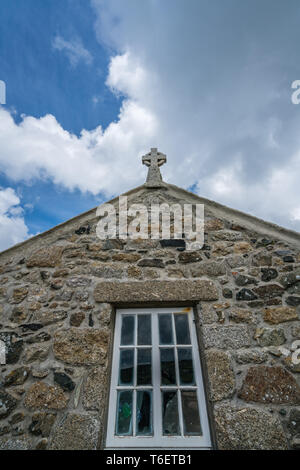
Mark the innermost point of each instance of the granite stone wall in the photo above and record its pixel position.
(57, 300)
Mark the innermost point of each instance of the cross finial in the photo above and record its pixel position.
(154, 160)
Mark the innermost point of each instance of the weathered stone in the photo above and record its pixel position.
(296, 331)
(64, 295)
(227, 293)
(42, 423)
(39, 373)
(4, 430)
(22, 443)
(226, 337)
(265, 384)
(221, 249)
(255, 355)
(172, 243)
(262, 259)
(112, 244)
(62, 272)
(19, 294)
(57, 284)
(42, 337)
(248, 428)
(43, 396)
(268, 291)
(49, 316)
(294, 289)
(226, 235)
(293, 300)
(95, 389)
(295, 444)
(176, 273)
(271, 337)
(64, 381)
(126, 257)
(240, 315)
(19, 314)
(290, 364)
(242, 247)
(16, 418)
(31, 327)
(77, 318)
(264, 242)
(48, 257)
(189, 257)
(151, 263)
(17, 376)
(289, 279)
(3, 292)
(181, 290)
(78, 281)
(13, 346)
(106, 271)
(294, 421)
(34, 306)
(82, 347)
(105, 314)
(220, 373)
(36, 353)
(211, 225)
(42, 444)
(268, 274)
(245, 294)
(288, 259)
(235, 261)
(75, 432)
(242, 280)
(277, 315)
(208, 268)
(207, 314)
(134, 272)
(7, 404)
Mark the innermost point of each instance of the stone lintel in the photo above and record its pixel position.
(155, 291)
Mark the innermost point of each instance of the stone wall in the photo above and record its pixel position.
(57, 299)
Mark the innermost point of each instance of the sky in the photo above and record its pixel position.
(92, 85)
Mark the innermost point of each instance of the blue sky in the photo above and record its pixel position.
(92, 85)
(41, 80)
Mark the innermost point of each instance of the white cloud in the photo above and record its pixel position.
(74, 50)
(214, 99)
(13, 227)
(96, 161)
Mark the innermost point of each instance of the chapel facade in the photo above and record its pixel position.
(133, 342)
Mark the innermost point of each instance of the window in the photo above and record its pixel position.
(156, 397)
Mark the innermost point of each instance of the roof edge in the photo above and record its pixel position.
(62, 224)
(256, 221)
(251, 221)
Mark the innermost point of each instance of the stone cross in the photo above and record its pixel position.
(154, 160)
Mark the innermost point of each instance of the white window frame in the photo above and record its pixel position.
(158, 440)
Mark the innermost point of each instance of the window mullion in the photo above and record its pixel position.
(157, 409)
(178, 378)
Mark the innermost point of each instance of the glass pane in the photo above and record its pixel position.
(167, 366)
(191, 419)
(165, 328)
(182, 328)
(124, 413)
(127, 330)
(144, 367)
(126, 367)
(185, 362)
(170, 414)
(143, 412)
(144, 329)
